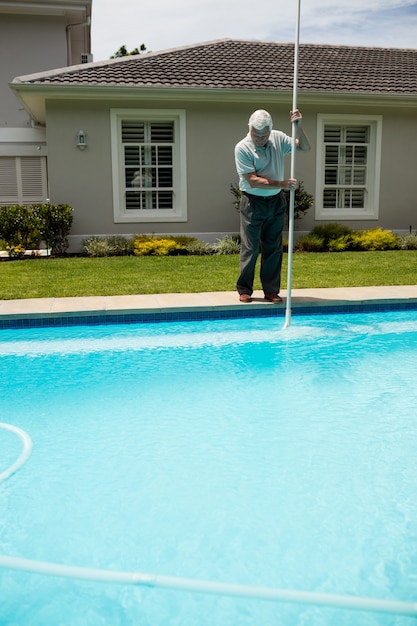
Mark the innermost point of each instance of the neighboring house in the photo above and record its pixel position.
(158, 130)
(34, 35)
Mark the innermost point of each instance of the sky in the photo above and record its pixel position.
(166, 24)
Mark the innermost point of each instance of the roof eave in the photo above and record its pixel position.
(47, 7)
(33, 96)
(371, 98)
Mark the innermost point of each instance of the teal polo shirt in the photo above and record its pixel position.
(267, 161)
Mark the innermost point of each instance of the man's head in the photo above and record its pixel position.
(260, 126)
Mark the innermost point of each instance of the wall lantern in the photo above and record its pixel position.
(81, 140)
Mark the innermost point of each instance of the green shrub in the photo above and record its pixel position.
(192, 245)
(26, 226)
(120, 245)
(329, 232)
(311, 243)
(115, 245)
(303, 201)
(97, 247)
(375, 239)
(199, 247)
(146, 246)
(229, 244)
(409, 242)
(339, 238)
(55, 221)
(16, 252)
(184, 240)
(20, 227)
(341, 244)
(237, 194)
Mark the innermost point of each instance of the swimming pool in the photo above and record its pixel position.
(226, 450)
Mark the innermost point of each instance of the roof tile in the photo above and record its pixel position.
(236, 65)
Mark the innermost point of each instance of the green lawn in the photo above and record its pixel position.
(83, 276)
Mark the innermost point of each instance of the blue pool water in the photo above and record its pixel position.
(223, 450)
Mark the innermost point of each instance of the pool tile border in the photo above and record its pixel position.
(169, 308)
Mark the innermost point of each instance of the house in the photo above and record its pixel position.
(144, 144)
(34, 35)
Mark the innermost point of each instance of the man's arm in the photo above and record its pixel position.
(302, 140)
(260, 182)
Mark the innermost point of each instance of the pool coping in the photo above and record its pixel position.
(189, 306)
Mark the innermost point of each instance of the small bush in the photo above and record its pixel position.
(199, 247)
(339, 238)
(375, 239)
(121, 246)
(192, 245)
(229, 244)
(27, 226)
(409, 242)
(331, 231)
(341, 244)
(303, 201)
(184, 240)
(16, 252)
(237, 194)
(20, 227)
(95, 247)
(311, 243)
(107, 246)
(147, 246)
(55, 221)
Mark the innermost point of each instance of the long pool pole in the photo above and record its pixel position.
(292, 174)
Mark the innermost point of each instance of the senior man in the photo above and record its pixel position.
(260, 164)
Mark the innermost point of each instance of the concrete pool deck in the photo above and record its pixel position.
(221, 301)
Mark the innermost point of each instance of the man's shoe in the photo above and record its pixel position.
(273, 297)
(245, 297)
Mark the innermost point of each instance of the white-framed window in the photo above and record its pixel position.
(23, 180)
(348, 167)
(149, 166)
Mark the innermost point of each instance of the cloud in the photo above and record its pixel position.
(165, 24)
(389, 24)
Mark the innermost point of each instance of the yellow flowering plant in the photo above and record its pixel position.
(16, 252)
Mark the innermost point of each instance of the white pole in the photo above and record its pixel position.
(292, 174)
(204, 586)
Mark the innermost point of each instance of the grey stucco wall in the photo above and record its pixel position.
(84, 179)
(28, 44)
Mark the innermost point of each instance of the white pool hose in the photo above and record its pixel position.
(205, 586)
(24, 455)
(188, 584)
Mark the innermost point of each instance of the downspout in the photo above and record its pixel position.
(68, 29)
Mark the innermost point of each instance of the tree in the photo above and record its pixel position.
(122, 51)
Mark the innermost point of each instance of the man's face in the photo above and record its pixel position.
(260, 137)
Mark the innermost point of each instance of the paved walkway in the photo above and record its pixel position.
(225, 300)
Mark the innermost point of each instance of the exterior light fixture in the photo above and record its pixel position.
(81, 140)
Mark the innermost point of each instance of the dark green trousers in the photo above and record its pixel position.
(262, 220)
